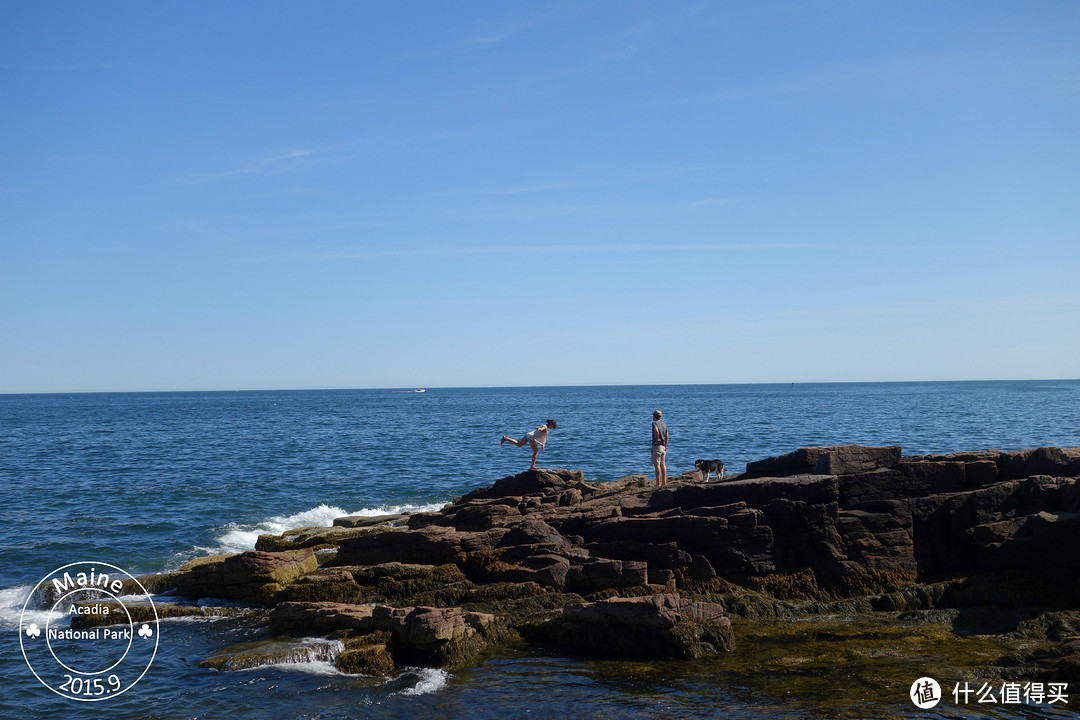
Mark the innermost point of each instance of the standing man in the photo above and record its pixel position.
(659, 448)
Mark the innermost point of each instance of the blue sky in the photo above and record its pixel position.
(287, 195)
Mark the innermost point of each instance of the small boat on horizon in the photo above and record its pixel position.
(419, 390)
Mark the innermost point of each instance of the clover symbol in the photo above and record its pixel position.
(33, 631)
(145, 631)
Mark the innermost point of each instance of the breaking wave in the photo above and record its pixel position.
(239, 537)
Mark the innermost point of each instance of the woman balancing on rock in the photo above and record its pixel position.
(536, 439)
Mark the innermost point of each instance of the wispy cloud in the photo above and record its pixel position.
(806, 322)
(64, 67)
(504, 191)
(279, 161)
(504, 29)
(580, 178)
(497, 32)
(1051, 65)
(711, 202)
(259, 165)
(508, 249)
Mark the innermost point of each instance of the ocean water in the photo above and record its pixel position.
(148, 481)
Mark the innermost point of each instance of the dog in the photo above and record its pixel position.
(707, 467)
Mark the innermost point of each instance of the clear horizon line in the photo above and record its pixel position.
(411, 388)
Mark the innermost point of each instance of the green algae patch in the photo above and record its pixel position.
(273, 651)
(122, 614)
(848, 666)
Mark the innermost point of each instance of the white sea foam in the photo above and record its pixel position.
(313, 655)
(240, 537)
(182, 619)
(397, 509)
(12, 601)
(11, 604)
(315, 667)
(429, 680)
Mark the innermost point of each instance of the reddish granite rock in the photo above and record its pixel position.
(531, 482)
(832, 460)
(439, 637)
(825, 523)
(433, 545)
(253, 576)
(320, 618)
(596, 574)
(660, 626)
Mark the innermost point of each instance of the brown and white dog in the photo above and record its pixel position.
(707, 467)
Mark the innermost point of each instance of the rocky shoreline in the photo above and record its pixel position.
(979, 543)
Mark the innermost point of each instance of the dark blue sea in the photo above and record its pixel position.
(146, 482)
